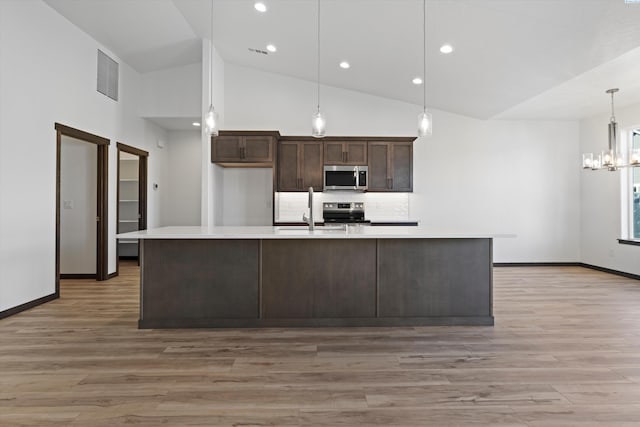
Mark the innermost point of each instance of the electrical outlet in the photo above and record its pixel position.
(612, 253)
(67, 204)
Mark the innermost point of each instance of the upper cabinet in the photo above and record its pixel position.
(390, 166)
(345, 153)
(244, 148)
(299, 160)
(299, 165)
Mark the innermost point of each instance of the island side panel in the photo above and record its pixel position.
(185, 282)
(435, 278)
(320, 278)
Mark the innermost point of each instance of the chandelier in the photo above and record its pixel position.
(611, 159)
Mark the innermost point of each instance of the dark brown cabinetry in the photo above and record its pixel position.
(434, 277)
(318, 278)
(222, 282)
(185, 281)
(299, 160)
(299, 165)
(390, 166)
(243, 148)
(345, 153)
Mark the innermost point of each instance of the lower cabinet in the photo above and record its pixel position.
(435, 277)
(315, 282)
(185, 282)
(318, 278)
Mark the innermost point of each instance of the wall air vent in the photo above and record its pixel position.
(264, 52)
(107, 76)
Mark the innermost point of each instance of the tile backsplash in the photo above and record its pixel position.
(289, 207)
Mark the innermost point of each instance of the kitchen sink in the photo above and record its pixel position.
(304, 227)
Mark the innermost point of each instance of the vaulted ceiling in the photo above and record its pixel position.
(542, 59)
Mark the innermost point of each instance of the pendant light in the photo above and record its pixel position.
(318, 123)
(211, 117)
(611, 159)
(425, 121)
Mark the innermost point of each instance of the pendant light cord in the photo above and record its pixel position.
(424, 53)
(318, 59)
(211, 57)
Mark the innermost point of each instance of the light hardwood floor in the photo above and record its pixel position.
(565, 350)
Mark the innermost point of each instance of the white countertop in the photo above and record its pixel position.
(300, 232)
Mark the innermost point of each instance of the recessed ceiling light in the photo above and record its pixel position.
(416, 81)
(344, 64)
(446, 48)
(271, 48)
(195, 124)
(260, 7)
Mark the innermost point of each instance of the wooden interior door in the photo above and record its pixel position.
(131, 201)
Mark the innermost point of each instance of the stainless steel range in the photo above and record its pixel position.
(343, 212)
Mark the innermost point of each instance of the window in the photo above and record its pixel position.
(635, 190)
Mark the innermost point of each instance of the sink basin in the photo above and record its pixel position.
(304, 227)
(332, 227)
(292, 227)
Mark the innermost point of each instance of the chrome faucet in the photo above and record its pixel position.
(309, 220)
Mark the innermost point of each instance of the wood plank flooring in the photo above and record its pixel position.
(565, 351)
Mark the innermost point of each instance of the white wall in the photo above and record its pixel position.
(258, 100)
(601, 198)
(182, 204)
(48, 75)
(212, 175)
(78, 190)
(175, 92)
(518, 177)
(247, 196)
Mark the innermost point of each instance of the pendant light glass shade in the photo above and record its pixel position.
(211, 121)
(425, 124)
(318, 125)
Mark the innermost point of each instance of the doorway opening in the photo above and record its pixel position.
(80, 199)
(132, 199)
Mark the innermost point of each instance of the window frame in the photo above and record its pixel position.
(630, 138)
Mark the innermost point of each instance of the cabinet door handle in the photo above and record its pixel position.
(242, 152)
(391, 183)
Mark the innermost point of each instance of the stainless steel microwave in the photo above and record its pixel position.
(353, 178)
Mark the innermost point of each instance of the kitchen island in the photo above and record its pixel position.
(290, 276)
